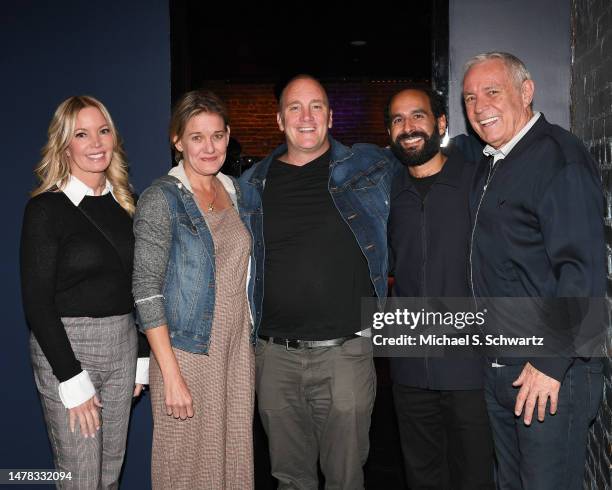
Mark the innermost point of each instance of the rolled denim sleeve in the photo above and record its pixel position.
(153, 234)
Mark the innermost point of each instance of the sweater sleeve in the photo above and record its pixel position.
(153, 235)
(39, 253)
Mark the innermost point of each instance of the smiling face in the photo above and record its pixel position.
(203, 144)
(305, 118)
(496, 105)
(91, 147)
(414, 130)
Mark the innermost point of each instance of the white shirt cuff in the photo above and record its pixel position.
(142, 371)
(76, 390)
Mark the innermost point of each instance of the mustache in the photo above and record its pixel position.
(412, 134)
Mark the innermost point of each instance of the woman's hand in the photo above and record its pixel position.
(178, 399)
(177, 396)
(138, 388)
(88, 415)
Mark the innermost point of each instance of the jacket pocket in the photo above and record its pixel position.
(185, 224)
(371, 177)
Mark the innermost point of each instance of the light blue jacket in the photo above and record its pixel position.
(174, 261)
(359, 184)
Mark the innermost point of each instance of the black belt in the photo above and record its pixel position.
(307, 344)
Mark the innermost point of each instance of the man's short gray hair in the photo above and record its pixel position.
(517, 69)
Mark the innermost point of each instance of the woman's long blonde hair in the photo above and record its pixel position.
(54, 167)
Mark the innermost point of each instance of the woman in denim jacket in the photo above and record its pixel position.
(190, 275)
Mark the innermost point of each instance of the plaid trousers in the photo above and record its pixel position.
(107, 349)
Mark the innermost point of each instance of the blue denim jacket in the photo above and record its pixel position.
(174, 276)
(359, 184)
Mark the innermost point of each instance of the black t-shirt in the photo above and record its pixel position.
(423, 184)
(315, 272)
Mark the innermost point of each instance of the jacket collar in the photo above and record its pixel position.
(452, 170)
(179, 173)
(532, 134)
(502, 152)
(339, 153)
(449, 175)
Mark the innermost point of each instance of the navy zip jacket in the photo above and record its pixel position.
(428, 246)
(538, 226)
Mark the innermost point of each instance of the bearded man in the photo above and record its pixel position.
(440, 406)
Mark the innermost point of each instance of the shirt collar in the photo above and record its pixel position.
(501, 153)
(76, 190)
(179, 173)
(228, 185)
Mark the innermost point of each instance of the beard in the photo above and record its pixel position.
(415, 157)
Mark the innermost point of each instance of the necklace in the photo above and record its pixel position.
(211, 204)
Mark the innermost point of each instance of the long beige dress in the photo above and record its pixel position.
(214, 449)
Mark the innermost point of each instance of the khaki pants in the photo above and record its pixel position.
(315, 404)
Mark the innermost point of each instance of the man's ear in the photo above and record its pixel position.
(442, 124)
(330, 119)
(279, 121)
(527, 91)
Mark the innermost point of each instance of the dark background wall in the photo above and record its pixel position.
(118, 52)
(592, 121)
(538, 32)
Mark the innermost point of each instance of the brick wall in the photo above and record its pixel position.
(591, 95)
(357, 105)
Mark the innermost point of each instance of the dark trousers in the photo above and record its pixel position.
(446, 438)
(316, 404)
(550, 454)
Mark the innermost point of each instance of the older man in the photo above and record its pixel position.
(318, 213)
(537, 232)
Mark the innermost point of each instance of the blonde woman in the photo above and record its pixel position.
(190, 275)
(76, 262)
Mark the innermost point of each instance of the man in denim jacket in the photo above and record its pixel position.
(318, 213)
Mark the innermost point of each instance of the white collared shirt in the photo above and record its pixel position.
(79, 388)
(501, 153)
(76, 190)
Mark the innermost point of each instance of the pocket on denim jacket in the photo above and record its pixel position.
(371, 177)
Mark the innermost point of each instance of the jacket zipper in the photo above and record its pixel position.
(492, 169)
(424, 265)
(424, 246)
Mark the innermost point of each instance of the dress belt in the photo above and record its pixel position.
(307, 344)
